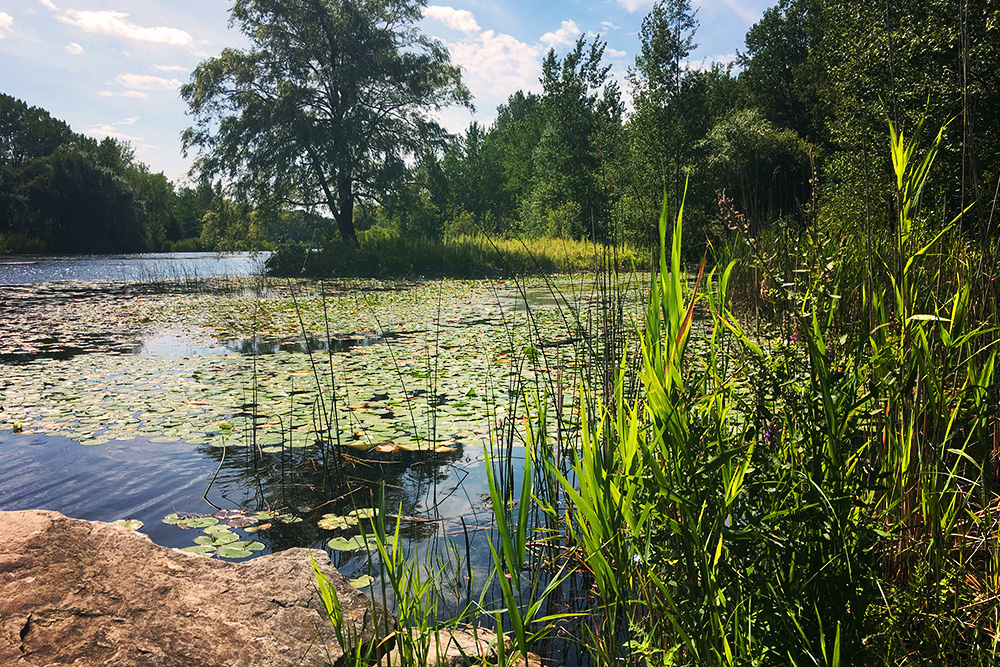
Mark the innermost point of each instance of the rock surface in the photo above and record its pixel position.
(89, 594)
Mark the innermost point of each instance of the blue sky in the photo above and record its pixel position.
(113, 67)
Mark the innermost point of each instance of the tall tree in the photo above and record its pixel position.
(326, 106)
(578, 102)
(662, 140)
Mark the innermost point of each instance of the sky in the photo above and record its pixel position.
(113, 67)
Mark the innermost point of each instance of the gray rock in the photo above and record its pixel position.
(89, 594)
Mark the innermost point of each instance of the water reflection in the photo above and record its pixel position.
(129, 268)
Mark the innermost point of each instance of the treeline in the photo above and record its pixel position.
(797, 131)
(63, 192)
(794, 131)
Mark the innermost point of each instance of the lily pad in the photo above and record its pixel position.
(352, 543)
(199, 522)
(364, 581)
(231, 552)
(128, 524)
(201, 550)
(335, 522)
(221, 538)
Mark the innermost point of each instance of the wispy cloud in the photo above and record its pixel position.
(116, 24)
(706, 63)
(74, 49)
(610, 26)
(6, 21)
(148, 82)
(101, 131)
(48, 4)
(632, 6)
(123, 93)
(740, 9)
(615, 53)
(456, 19)
(172, 68)
(563, 36)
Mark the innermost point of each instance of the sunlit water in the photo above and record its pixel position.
(146, 478)
(20, 270)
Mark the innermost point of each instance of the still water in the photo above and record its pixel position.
(130, 388)
(22, 270)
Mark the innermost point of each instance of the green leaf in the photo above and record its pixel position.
(232, 552)
(201, 550)
(128, 524)
(351, 544)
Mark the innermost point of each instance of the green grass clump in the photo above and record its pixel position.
(386, 254)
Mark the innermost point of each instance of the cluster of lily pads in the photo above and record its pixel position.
(428, 389)
(218, 536)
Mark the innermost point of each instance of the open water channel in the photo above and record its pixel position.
(236, 415)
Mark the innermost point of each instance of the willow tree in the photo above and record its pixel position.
(325, 107)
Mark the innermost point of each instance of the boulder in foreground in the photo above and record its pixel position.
(89, 594)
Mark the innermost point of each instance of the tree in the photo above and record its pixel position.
(663, 142)
(785, 68)
(578, 102)
(326, 106)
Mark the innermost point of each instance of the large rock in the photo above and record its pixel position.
(87, 593)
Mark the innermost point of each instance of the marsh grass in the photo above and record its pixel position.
(807, 478)
(386, 254)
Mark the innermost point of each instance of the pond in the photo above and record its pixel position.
(235, 416)
(24, 269)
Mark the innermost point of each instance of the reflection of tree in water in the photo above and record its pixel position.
(296, 479)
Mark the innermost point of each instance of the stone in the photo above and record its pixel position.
(90, 594)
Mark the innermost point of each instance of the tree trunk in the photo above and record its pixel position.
(345, 215)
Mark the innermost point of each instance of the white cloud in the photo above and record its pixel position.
(74, 49)
(610, 26)
(115, 23)
(746, 13)
(615, 53)
(171, 68)
(706, 63)
(101, 131)
(123, 93)
(48, 4)
(496, 65)
(632, 6)
(148, 82)
(457, 19)
(564, 35)
(6, 21)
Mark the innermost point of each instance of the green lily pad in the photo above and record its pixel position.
(128, 524)
(172, 519)
(217, 528)
(363, 513)
(364, 581)
(335, 522)
(352, 543)
(201, 550)
(200, 522)
(224, 537)
(203, 540)
(231, 552)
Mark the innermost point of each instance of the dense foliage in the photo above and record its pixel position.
(64, 192)
(326, 106)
